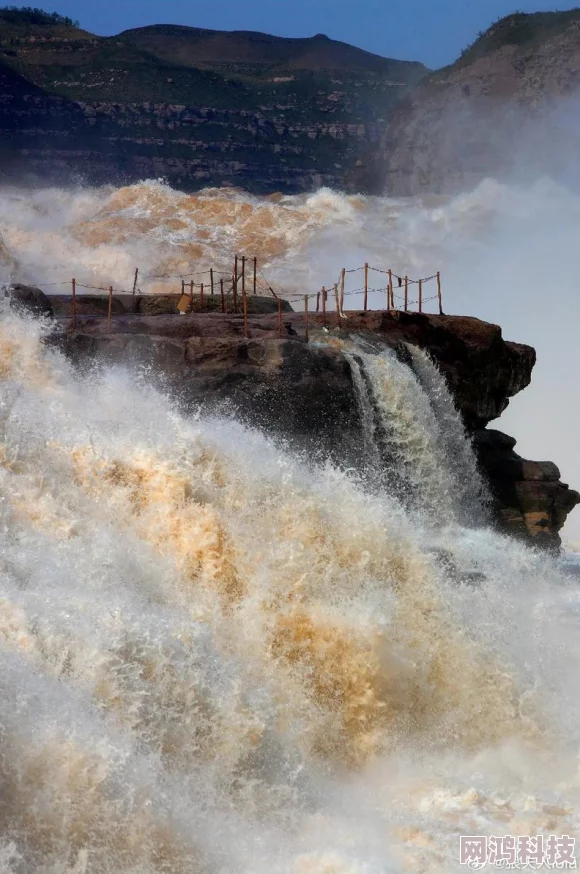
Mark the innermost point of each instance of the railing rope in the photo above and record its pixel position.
(240, 292)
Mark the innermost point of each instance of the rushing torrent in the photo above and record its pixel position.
(507, 254)
(217, 658)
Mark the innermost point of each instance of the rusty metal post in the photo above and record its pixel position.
(211, 280)
(183, 286)
(280, 318)
(342, 284)
(323, 305)
(245, 308)
(255, 276)
(420, 295)
(201, 298)
(366, 287)
(74, 305)
(235, 285)
(135, 280)
(318, 302)
(110, 310)
(406, 293)
(306, 337)
(337, 303)
(222, 295)
(440, 299)
(391, 292)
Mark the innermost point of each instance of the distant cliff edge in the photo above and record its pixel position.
(507, 108)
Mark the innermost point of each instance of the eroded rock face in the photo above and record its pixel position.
(300, 115)
(304, 391)
(501, 111)
(530, 501)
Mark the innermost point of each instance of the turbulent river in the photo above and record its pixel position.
(217, 657)
(508, 254)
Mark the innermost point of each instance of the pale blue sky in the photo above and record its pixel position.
(431, 31)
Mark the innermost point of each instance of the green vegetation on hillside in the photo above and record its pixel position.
(519, 29)
(30, 15)
(294, 80)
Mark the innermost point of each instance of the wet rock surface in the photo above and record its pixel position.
(529, 498)
(29, 299)
(304, 391)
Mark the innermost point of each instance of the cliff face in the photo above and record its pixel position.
(503, 109)
(204, 108)
(305, 391)
(200, 108)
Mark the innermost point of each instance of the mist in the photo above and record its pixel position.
(508, 240)
(507, 252)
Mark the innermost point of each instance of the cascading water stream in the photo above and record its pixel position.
(412, 430)
(472, 495)
(216, 657)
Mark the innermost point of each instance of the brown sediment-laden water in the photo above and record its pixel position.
(220, 656)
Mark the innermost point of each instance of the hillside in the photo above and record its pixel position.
(200, 107)
(521, 31)
(505, 108)
(261, 53)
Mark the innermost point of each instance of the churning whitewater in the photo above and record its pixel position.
(507, 254)
(217, 657)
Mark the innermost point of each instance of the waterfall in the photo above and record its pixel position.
(472, 495)
(363, 390)
(217, 657)
(409, 419)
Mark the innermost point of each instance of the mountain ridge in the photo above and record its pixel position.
(203, 108)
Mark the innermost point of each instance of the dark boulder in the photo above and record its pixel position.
(529, 499)
(26, 299)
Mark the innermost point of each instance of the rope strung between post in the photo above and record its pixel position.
(265, 287)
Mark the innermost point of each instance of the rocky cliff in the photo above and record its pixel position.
(506, 109)
(304, 392)
(200, 108)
